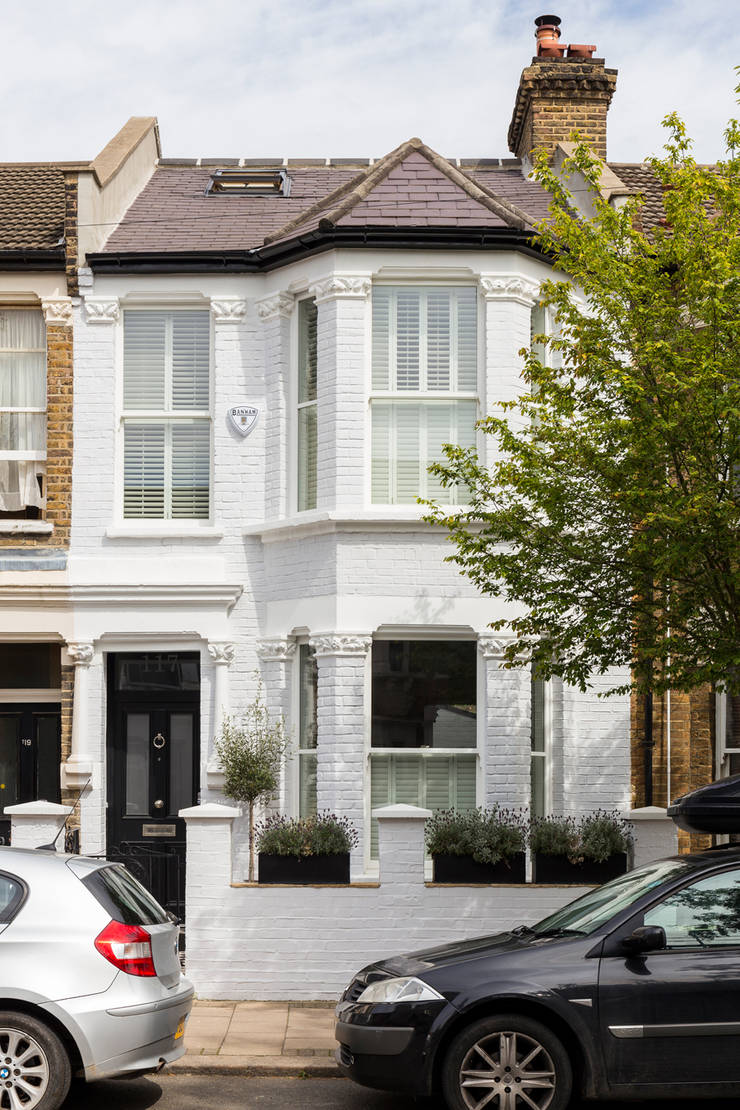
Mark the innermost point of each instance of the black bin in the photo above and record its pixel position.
(709, 809)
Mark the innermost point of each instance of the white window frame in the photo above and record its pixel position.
(297, 405)
(443, 635)
(29, 456)
(546, 754)
(421, 281)
(161, 526)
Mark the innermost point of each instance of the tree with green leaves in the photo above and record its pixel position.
(251, 749)
(611, 519)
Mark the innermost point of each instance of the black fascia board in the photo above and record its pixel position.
(47, 259)
(271, 257)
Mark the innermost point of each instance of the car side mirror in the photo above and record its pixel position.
(646, 938)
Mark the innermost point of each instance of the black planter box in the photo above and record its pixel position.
(464, 869)
(303, 869)
(559, 869)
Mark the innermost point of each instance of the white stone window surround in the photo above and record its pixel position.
(132, 528)
(425, 280)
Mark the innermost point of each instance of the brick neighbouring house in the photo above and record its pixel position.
(39, 258)
(313, 292)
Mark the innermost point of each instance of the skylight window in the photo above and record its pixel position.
(257, 183)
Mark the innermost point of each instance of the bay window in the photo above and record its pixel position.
(424, 386)
(166, 415)
(22, 412)
(424, 728)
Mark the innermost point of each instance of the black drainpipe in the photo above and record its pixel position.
(649, 745)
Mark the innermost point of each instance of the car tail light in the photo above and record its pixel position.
(127, 947)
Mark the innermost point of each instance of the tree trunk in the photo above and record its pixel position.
(251, 842)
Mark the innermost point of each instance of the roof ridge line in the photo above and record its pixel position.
(368, 177)
(480, 193)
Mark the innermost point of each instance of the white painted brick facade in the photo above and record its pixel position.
(348, 566)
(307, 942)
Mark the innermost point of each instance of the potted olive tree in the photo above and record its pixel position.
(313, 849)
(251, 749)
(591, 850)
(477, 845)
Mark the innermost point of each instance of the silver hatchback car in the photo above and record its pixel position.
(90, 980)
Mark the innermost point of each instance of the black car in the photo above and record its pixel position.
(631, 991)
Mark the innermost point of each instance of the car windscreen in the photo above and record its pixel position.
(598, 906)
(123, 896)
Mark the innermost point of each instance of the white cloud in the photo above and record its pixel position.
(251, 77)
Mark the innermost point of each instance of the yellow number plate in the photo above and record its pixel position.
(180, 1029)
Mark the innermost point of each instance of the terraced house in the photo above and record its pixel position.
(268, 354)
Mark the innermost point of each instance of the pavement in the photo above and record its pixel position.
(259, 1038)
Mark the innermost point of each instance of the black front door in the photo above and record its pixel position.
(153, 761)
(30, 755)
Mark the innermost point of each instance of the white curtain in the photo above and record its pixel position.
(22, 386)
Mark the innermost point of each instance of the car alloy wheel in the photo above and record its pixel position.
(34, 1067)
(507, 1063)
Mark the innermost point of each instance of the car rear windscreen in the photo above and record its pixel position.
(123, 896)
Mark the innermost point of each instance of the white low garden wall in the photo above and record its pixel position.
(306, 942)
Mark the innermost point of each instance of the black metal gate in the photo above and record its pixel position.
(161, 870)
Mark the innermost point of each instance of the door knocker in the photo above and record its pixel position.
(159, 740)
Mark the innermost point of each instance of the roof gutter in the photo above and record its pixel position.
(271, 257)
(51, 259)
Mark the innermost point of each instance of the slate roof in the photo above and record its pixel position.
(639, 178)
(31, 208)
(412, 187)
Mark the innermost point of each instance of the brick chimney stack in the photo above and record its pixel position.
(565, 89)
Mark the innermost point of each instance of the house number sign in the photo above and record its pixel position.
(243, 418)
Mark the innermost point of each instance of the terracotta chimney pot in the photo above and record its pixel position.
(547, 35)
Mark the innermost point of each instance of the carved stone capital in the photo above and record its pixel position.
(58, 311)
(229, 310)
(493, 647)
(281, 304)
(341, 645)
(279, 651)
(509, 287)
(101, 310)
(81, 654)
(355, 286)
(221, 652)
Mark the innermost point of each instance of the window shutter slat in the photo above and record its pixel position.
(144, 352)
(381, 337)
(439, 335)
(143, 470)
(191, 457)
(467, 340)
(307, 458)
(408, 361)
(191, 341)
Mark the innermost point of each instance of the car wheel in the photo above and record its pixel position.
(34, 1066)
(508, 1062)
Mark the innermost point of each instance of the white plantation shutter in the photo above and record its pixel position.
(167, 458)
(439, 331)
(425, 342)
(191, 467)
(144, 360)
(191, 344)
(434, 782)
(143, 470)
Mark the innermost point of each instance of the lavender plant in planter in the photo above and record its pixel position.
(305, 850)
(589, 851)
(477, 846)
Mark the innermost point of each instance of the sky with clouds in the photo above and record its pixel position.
(344, 77)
